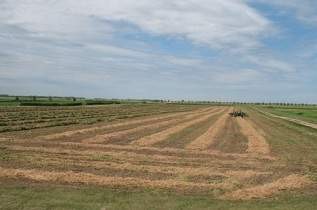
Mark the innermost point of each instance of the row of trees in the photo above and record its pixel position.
(53, 98)
(50, 98)
(238, 103)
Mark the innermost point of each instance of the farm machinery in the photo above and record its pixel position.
(238, 114)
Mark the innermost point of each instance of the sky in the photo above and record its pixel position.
(224, 50)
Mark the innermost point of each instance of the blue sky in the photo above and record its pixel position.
(230, 50)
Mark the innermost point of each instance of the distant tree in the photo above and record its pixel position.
(34, 98)
(50, 98)
(74, 99)
(17, 98)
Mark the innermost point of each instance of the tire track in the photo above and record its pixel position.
(297, 121)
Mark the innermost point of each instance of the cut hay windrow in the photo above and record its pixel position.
(154, 169)
(169, 151)
(115, 125)
(71, 177)
(204, 141)
(261, 191)
(36, 117)
(178, 152)
(105, 138)
(196, 150)
(230, 138)
(84, 162)
(153, 159)
(161, 136)
(256, 142)
(4, 139)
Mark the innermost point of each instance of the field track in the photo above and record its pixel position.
(297, 121)
(228, 158)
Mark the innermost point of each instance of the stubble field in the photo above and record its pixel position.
(186, 156)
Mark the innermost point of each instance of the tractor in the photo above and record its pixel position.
(238, 114)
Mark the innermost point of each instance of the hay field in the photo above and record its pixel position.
(185, 150)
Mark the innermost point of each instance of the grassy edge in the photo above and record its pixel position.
(34, 196)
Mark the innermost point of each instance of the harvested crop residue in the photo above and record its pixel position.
(107, 137)
(87, 178)
(115, 125)
(201, 151)
(286, 183)
(161, 136)
(257, 143)
(207, 139)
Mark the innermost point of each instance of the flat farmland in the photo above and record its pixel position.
(155, 156)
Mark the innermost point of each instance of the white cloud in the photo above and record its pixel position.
(216, 23)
